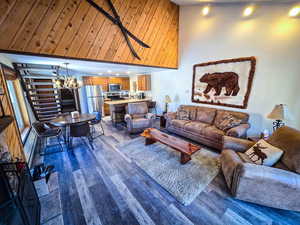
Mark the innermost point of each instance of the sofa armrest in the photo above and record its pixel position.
(238, 131)
(127, 118)
(236, 144)
(170, 115)
(230, 162)
(267, 186)
(150, 116)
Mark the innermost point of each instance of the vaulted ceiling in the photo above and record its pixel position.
(75, 29)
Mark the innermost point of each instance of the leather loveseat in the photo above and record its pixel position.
(277, 186)
(199, 124)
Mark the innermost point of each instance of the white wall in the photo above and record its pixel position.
(270, 35)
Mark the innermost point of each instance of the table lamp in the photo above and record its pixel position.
(167, 101)
(279, 113)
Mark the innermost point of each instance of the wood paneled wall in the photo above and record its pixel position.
(12, 134)
(72, 28)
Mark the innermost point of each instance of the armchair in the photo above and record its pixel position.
(138, 117)
(277, 186)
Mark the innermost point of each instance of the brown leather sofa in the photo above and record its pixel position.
(277, 186)
(200, 126)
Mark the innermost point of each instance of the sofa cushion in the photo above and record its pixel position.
(138, 116)
(190, 109)
(179, 123)
(262, 153)
(213, 133)
(288, 139)
(137, 108)
(206, 115)
(228, 121)
(239, 115)
(140, 123)
(183, 115)
(195, 127)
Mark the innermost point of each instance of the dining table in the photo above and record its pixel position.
(65, 121)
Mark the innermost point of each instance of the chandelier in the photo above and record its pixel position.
(66, 81)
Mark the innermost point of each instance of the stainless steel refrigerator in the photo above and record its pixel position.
(95, 98)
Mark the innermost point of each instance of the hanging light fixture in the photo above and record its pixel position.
(67, 81)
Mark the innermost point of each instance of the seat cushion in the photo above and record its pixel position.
(138, 116)
(213, 133)
(179, 123)
(195, 127)
(140, 123)
(137, 108)
(206, 115)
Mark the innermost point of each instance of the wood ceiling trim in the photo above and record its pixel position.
(73, 28)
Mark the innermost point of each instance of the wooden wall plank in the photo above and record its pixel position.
(5, 8)
(30, 24)
(60, 26)
(14, 21)
(73, 28)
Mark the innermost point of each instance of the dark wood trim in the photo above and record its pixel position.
(82, 59)
(252, 59)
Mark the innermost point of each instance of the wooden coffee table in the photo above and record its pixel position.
(186, 149)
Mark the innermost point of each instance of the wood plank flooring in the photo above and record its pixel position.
(103, 186)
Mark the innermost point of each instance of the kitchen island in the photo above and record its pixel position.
(117, 108)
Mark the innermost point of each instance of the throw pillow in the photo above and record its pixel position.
(183, 115)
(262, 153)
(228, 121)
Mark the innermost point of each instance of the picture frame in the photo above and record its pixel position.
(225, 82)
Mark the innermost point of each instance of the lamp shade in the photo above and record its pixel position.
(280, 112)
(168, 99)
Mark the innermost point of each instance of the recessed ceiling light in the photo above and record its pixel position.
(248, 11)
(205, 10)
(109, 71)
(295, 11)
(128, 72)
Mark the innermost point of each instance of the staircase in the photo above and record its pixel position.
(38, 82)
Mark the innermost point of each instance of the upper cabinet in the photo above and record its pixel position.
(104, 81)
(144, 82)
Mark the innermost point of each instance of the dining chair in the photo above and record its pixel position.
(80, 130)
(94, 122)
(45, 131)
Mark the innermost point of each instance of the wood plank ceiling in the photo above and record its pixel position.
(73, 28)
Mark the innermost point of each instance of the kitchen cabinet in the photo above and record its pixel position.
(144, 82)
(104, 81)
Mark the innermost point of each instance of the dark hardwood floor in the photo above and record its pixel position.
(103, 186)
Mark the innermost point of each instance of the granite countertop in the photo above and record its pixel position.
(117, 102)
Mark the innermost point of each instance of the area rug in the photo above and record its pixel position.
(160, 162)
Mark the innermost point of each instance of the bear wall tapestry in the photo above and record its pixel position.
(225, 82)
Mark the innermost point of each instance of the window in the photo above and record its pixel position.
(19, 105)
